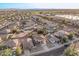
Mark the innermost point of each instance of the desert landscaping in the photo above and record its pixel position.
(50, 32)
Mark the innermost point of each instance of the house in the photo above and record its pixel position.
(20, 40)
(12, 43)
(39, 39)
(0, 39)
(61, 33)
(51, 38)
(27, 44)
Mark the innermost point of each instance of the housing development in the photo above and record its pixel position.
(41, 32)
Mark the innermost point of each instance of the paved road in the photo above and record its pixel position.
(56, 52)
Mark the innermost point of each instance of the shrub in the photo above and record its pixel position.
(64, 22)
(2, 47)
(15, 31)
(70, 36)
(9, 36)
(64, 39)
(30, 34)
(42, 31)
(6, 52)
(40, 12)
(18, 51)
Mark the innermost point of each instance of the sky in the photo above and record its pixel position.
(39, 5)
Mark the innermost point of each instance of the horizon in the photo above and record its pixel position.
(39, 6)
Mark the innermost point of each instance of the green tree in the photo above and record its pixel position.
(6, 52)
(70, 36)
(70, 51)
(64, 39)
(18, 51)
